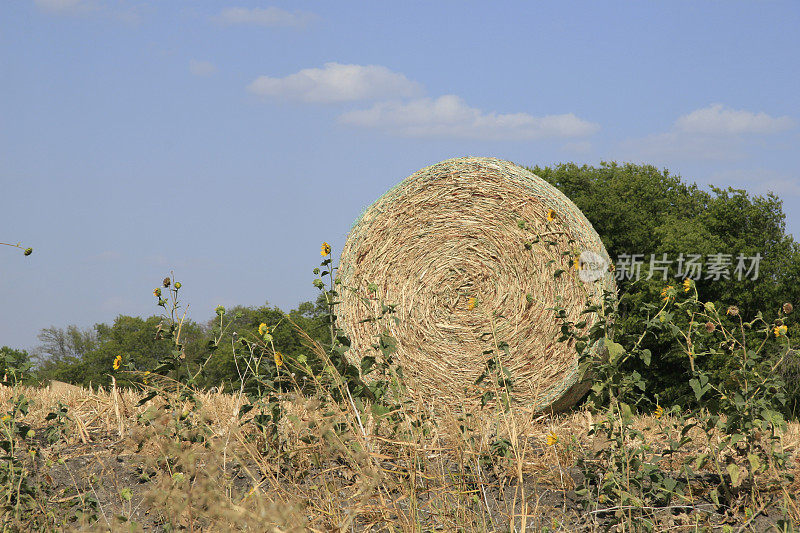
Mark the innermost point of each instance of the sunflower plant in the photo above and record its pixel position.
(740, 413)
(625, 474)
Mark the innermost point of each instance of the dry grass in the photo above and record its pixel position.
(139, 463)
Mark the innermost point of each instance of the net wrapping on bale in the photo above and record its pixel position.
(454, 248)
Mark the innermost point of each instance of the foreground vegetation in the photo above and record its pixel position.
(105, 462)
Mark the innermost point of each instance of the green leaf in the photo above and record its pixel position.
(615, 350)
(701, 460)
(669, 484)
(149, 396)
(627, 413)
(755, 462)
(380, 410)
(733, 471)
(367, 364)
(698, 389)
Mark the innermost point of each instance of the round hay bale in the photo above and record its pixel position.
(448, 247)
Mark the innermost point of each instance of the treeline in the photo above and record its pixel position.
(638, 210)
(87, 356)
(642, 210)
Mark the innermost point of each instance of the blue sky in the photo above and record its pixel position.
(227, 140)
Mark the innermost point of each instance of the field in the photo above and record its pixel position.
(102, 461)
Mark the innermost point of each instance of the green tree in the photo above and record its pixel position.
(243, 322)
(14, 365)
(131, 338)
(639, 209)
(87, 356)
(61, 350)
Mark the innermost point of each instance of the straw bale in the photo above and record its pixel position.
(447, 248)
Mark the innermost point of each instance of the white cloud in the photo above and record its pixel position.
(450, 116)
(445, 116)
(717, 119)
(202, 68)
(336, 82)
(715, 132)
(267, 16)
